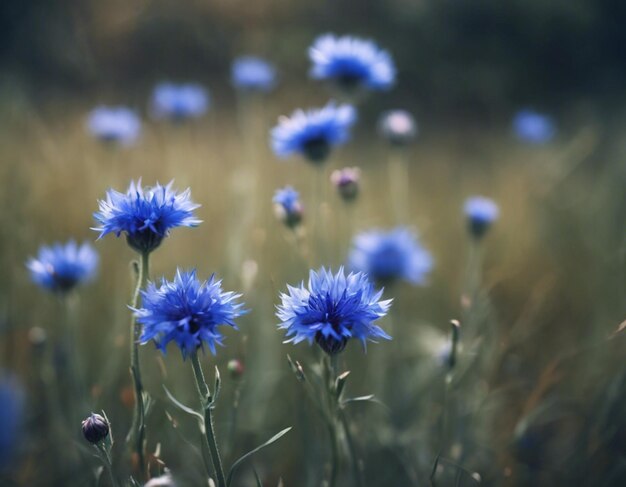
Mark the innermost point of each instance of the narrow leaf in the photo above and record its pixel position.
(257, 478)
(181, 406)
(252, 452)
(340, 383)
(217, 386)
(369, 397)
(297, 369)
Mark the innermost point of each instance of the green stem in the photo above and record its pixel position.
(356, 469)
(137, 433)
(106, 459)
(443, 427)
(398, 173)
(209, 428)
(330, 368)
(316, 228)
(74, 376)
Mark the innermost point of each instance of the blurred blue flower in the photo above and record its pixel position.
(313, 133)
(481, 212)
(390, 256)
(331, 309)
(118, 125)
(533, 127)
(253, 74)
(398, 127)
(11, 412)
(287, 206)
(179, 102)
(145, 215)
(188, 312)
(62, 267)
(351, 63)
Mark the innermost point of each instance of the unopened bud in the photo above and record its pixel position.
(346, 181)
(398, 127)
(236, 368)
(95, 428)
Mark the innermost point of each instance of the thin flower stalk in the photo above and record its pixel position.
(214, 462)
(137, 434)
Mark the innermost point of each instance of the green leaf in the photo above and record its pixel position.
(252, 452)
(257, 478)
(369, 397)
(181, 406)
(340, 383)
(296, 368)
(217, 386)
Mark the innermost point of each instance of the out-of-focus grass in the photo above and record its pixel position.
(552, 270)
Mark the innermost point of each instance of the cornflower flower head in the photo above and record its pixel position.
(287, 206)
(533, 127)
(313, 133)
(352, 64)
(251, 73)
(389, 256)
(62, 267)
(188, 312)
(331, 309)
(398, 127)
(179, 102)
(347, 182)
(145, 215)
(11, 414)
(481, 212)
(115, 125)
(95, 428)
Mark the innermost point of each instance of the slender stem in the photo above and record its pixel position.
(106, 459)
(356, 469)
(209, 428)
(137, 433)
(334, 454)
(330, 369)
(443, 427)
(316, 228)
(234, 416)
(74, 367)
(398, 172)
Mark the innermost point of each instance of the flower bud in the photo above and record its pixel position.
(398, 127)
(95, 428)
(236, 369)
(481, 213)
(287, 206)
(162, 481)
(346, 181)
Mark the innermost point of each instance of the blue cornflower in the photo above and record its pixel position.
(351, 63)
(390, 256)
(145, 215)
(287, 206)
(62, 267)
(251, 73)
(188, 312)
(331, 309)
(118, 125)
(398, 127)
(481, 212)
(313, 133)
(11, 410)
(179, 102)
(533, 127)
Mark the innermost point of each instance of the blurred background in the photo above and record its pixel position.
(545, 404)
